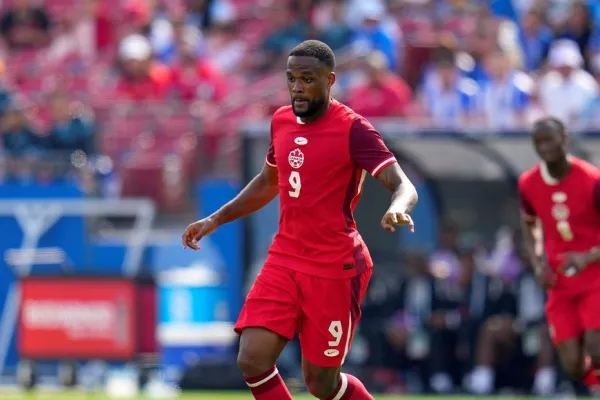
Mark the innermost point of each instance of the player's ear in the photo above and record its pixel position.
(331, 79)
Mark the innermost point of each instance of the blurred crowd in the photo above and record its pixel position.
(147, 95)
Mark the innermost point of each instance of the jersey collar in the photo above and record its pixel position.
(545, 172)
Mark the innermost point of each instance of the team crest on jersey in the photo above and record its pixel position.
(296, 158)
(559, 197)
(560, 212)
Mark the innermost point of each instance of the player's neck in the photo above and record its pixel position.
(559, 169)
(319, 114)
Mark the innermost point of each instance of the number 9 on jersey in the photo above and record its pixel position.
(295, 183)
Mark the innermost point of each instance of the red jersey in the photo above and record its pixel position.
(322, 168)
(569, 211)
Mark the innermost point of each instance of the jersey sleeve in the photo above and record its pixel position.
(527, 211)
(270, 159)
(367, 149)
(597, 195)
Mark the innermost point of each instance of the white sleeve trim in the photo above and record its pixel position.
(270, 164)
(383, 164)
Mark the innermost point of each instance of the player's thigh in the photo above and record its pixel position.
(272, 303)
(330, 313)
(564, 321)
(589, 313)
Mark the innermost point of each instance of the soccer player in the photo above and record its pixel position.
(318, 266)
(562, 194)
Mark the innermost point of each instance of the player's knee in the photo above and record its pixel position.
(592, 347)
(573, 368)
(252, 363)
(319, 385)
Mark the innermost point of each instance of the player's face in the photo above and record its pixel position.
(550, 144)
(309, 82)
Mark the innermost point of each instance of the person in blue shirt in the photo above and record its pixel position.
(535, 39)
(71, 129)
(371, 36)
(19, 139)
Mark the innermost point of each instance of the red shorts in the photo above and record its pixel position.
(324, 311)
(569, 316)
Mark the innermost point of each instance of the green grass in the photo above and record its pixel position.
(212, 396)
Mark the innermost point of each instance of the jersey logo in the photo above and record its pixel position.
(332, 353)
(560, 212)
(296, 158)
(300, 141)
(559, 197)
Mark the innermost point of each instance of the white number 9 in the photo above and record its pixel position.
(336, 331)
(296, 184)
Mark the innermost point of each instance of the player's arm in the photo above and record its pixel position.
(258, 193)
(369, 152)
(532, 236)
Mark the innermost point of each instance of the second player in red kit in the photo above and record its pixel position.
(318, 267)
(562, 194)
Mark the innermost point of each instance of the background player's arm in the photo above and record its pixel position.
(532, 236)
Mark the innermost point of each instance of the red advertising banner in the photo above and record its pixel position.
(77, 318)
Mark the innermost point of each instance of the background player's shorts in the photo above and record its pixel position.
(569, 316)
(324, 311)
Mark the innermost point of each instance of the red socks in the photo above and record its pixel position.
(591, 378)
(350, 388)
(269, 386)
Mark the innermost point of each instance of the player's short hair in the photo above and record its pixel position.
(549, 123)
(315, 49)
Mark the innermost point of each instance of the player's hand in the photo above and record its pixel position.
(196, 231)
(545, 276)
(393, 218)
(574, 263)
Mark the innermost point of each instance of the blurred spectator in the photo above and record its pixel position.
(505, 94)
(447, 99)
(19, 139)
(25, 26)
(287, 31)
(141, 78)
(226, 49)
(72, 38)
(71, 128)
(406, 326)
(478, 44)
(167, 30)
(196, 78)
(535, 39)
(202, 13)
(567, 90)
(371, 35)
(578, 26)
(384, 94)
(329, 21)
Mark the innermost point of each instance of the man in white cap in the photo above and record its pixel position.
(141, 79)
(567, 90)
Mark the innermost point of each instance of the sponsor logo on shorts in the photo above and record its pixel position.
(348, 266)
(296, 158)
(300, 141)
(332, 353)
